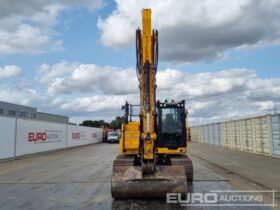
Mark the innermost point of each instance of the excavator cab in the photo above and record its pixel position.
(171, 125)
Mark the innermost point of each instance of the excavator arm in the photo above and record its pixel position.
(146, 51)
(152, 160)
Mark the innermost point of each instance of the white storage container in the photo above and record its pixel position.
(247, 135)
(194, 134)
(226, 134)
(275, 134)
(200, 134)
(261, 137)
(216, 134)
(235, 135)
(221, 134)
(77, 135)
(7, 137)
(33, 136)
(210, 134)
(259, 134)
(205, 134)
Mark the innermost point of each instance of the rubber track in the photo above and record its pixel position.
(187, 162)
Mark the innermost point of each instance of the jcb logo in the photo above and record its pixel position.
(37, 136)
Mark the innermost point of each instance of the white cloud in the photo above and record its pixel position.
(106, 107)
(28, 27)
(211, 96)
(196, 30)
(23, 96)
(63, 78)
(95, 103)
(48, 74)
(227, 94)
(27, 39)
(91, 91)
(212, 84)
(9, 71)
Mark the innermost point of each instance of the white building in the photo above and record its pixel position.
(19, 111)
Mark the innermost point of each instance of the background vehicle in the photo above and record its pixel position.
(113, 137)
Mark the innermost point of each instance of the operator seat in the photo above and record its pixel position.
(169, 125)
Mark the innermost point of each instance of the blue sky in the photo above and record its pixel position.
(226, 45)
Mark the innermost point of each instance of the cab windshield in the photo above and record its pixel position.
(113, 134)
(172, 120)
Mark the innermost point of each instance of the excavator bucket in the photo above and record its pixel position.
(128, 181)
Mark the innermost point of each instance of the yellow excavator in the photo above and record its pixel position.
(152, 159)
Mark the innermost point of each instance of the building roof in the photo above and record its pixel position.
(53, 114)
(8, 103)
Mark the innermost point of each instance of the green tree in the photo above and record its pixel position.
(114, 124)
(117, 123)
(95, 123)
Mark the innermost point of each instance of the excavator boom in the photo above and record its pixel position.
(147, 71)
(152, 160)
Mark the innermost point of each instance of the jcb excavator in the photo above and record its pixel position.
(152, 159)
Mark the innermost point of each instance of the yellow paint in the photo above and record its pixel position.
(131, 136)
(147, 35)
(147, 53)
(130, 139)
(180, 150)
